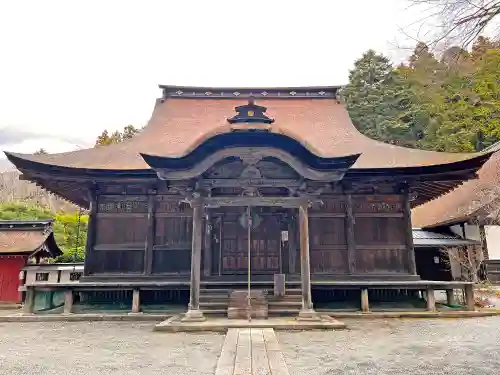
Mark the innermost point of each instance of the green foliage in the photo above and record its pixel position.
(66, 233)
(451, 104)
(71, 233)
(116, 137)
(377, 99)
(21, 211)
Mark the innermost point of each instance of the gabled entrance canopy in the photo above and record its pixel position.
(251, 147)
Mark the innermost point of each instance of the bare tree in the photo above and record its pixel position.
(12, 189)
(457, 21)
(468, 258)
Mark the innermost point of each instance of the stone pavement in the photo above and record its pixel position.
(254, 351)
(219, 324)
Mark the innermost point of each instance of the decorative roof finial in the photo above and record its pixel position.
(250, 113)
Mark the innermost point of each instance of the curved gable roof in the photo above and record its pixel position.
(179, 124)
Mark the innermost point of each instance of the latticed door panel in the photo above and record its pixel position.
(264, 242)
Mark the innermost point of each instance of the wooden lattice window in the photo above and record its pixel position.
(75, 276)
(42, 276)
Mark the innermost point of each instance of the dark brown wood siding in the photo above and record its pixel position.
(117, 261)
(173, 236)
(380, 234)
(327, 236)
(122, 225)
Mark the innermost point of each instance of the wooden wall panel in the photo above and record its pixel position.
(121, 231)
(381, 261)
(117, 261)
(173, 232)
(379, 231)
(326, 231)
(172, 261)
(328, 261)
(328, 242)
(173, 236)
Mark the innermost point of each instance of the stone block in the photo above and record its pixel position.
(279, 285)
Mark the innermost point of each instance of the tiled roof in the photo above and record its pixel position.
(26, 237)
(423, 238)
(179, 124)
(473, 197)
(15, 242)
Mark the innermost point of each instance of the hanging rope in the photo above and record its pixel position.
(77, 241)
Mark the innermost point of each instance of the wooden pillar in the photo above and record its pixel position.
(136, 301)
(150, 236)
(68, 301)
(292, 242)
(29, 301)
(450, 297)
(410, 250)
(350, 237)
(194, 313)
(91, 231)
(207, 246)
(431, 300)
(307, 312)
(469, 297)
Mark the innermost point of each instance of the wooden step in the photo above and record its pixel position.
(213, 297)
(215, 312)
(284, 312)
(284, 303)
(215, 291)
(213, 305)
(293, 291)
(285, 298)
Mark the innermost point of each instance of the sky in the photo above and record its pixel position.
(70, 69)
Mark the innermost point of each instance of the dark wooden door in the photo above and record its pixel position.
(265, 243)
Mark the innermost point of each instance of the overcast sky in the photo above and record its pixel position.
(69, 69)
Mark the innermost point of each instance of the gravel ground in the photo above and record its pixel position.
(397, 347)
(100, 348)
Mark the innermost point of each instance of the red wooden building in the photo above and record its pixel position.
(20, 241)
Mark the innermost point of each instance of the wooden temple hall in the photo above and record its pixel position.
(269, 189)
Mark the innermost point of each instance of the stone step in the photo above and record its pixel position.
(284, 303)
(283, 312)
(215, 291)
(293, 291)
(213, 297)
(214, 305)
(285, 298)
(222, 312)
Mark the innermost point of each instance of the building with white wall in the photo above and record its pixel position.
(470, 211)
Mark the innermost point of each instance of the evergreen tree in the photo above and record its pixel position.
(116, 137)
(451, 104)
(376, 98)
